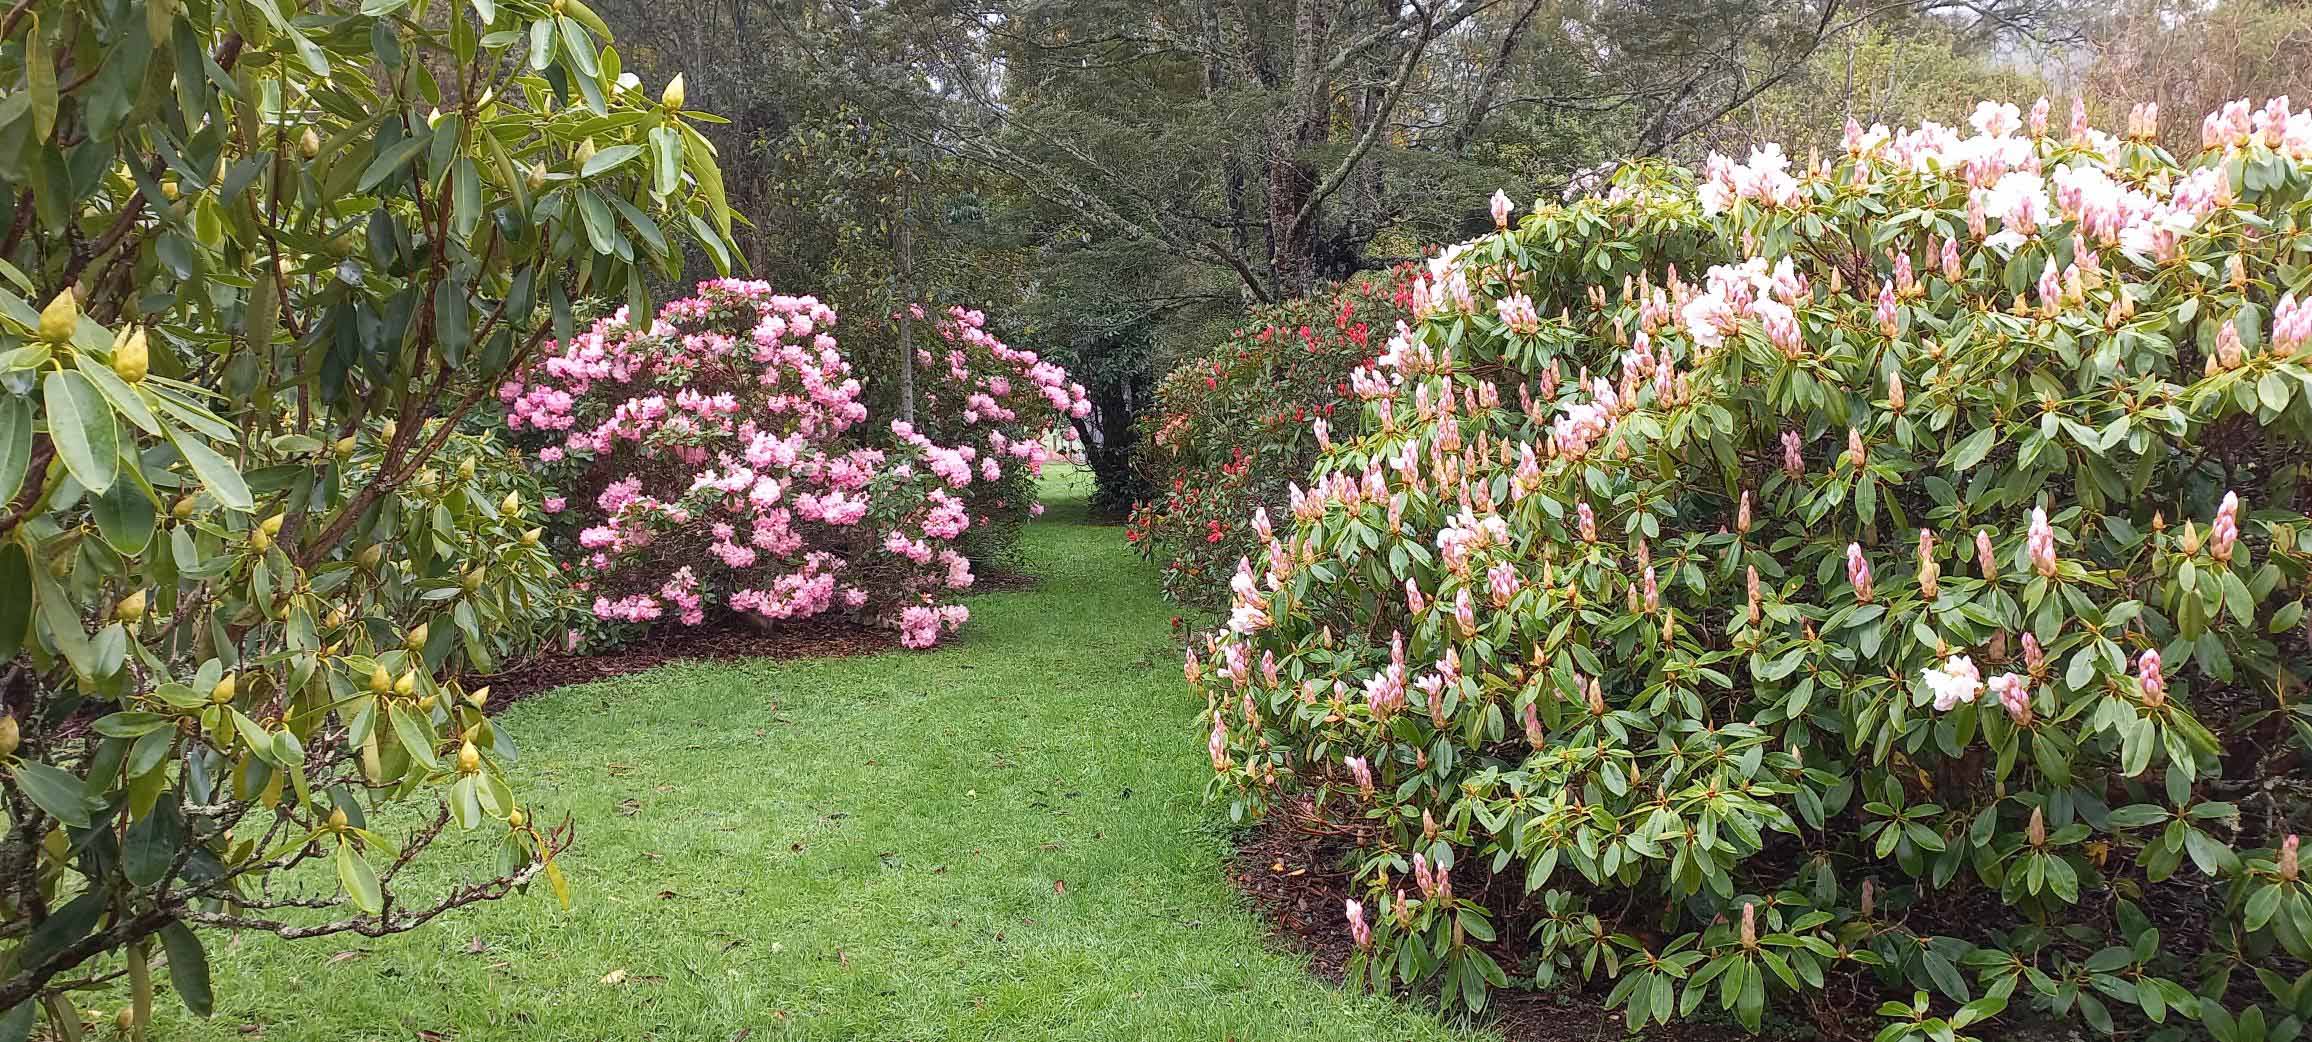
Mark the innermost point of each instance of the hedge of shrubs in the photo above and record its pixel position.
(1234, 428)
(1887, 571)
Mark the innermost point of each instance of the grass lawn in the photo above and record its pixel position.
(1002, 839)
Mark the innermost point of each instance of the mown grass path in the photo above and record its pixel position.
(1002, 839)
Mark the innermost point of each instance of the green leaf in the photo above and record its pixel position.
(580, 48)
(15, 598)
(359, 878)
(15, 444)
(391, 160)
(40, 81)
(83, 428)
(609, 159)
(1971, 451)
(124, 398)
(124, 516)
(413, 738)
(2273, 389)
(215, 471)
(189, 969)
(55, 791)
(152, 843)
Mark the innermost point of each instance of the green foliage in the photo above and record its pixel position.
(262, 262)
(1673, 665)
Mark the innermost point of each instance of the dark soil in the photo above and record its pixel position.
(1295, 878)
(809, 638)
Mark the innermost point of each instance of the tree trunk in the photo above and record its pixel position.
(1291, 177)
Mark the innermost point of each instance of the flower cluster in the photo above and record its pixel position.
(713, 458)
(1009, 408)
(1893, 567)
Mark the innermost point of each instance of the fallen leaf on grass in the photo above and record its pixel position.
(1059, 886)
(627, 808)
(614, 977)
(348, 955)
(477, 946)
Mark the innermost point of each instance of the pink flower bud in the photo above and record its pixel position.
(2229, 353)
(1501, 209)
(1858, 572)
(1793, 460)
(1360, 772)
(1742, 514)
(1749, 925)
(2014, 696)
(1984, 557)
(2034, 657)
(1358, 931)
(1855, 453)
(2287, 867)
(1219, 745)
(1588, 522)
(1534, 735)
(2225, 532)
(2041, 543)
(2151, 679)
(1756, 603)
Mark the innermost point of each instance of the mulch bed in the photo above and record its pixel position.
(1297, 881)
(810, 638)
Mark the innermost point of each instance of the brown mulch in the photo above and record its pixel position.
(1296, 879)
(809, 638)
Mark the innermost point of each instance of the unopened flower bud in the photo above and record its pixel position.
(60, 318)
(133, 358)
(469, 758)
(672, 97)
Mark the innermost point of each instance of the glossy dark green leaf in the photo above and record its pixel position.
(188, 969)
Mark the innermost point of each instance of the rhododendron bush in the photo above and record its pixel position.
(1891, 569)
(1234, 427)
(1009, 406)
(715, 460)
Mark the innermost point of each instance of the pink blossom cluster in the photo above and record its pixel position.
(713, 459)
(989, 417)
